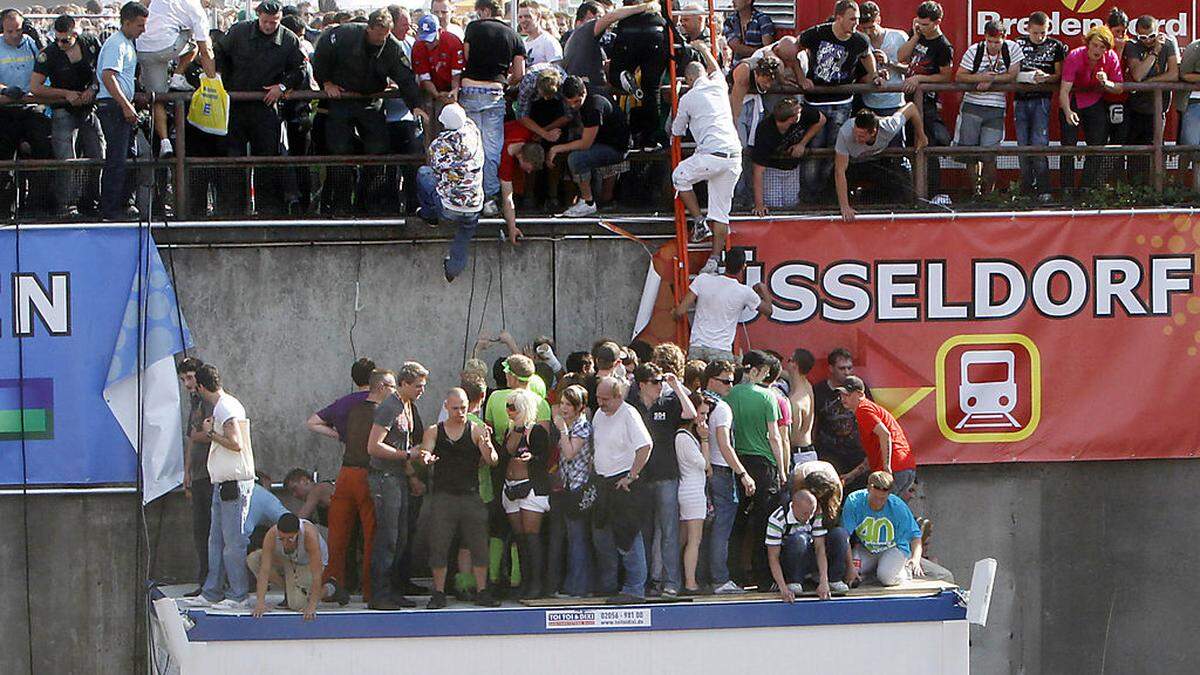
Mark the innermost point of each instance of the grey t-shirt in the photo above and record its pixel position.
(584, 57)
(1143, 101)
(403, 433)
(858, 152)
(199, 411)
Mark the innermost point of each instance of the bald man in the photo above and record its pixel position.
(797, 535)
(453, 450)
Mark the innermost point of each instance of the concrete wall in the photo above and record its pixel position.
(1094, 557)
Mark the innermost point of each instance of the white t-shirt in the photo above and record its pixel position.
(995, 64)
(720, 301)
(542, 49)
(167, 18)
(616, 439)
(705, 107)
(720, 416)
(225, 464)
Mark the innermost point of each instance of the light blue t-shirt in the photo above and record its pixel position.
(117, 54)
(265, 509)
(880, 530)
(16, 63)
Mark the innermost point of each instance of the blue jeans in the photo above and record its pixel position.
(798, 556)
(665, 521)
(466, 223)
(1032, 118)
(485, 107)
(633, 560)
(722, 487)
(115, 189)
(1190, 132)
(227, 544)
(583, 162)
(389, 494)
(579, 557)
(817, 172)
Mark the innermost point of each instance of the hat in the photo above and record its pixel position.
(269, 7)
(427, 28)
(853, 383)
(453, 116)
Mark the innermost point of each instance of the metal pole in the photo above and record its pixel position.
(1159, 160)
(681, 236)
(181, 195)
(920, 168)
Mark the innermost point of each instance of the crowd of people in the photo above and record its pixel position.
(622, 472)
(552, 106)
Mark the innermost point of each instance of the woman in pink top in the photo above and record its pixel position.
(1088, 73)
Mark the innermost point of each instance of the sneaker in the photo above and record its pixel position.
(1045, 198)
(838, 588)
(796, 588)
(233, 605)
(624, 599)
(194, 593)
(449, 277)
(165, 149)
(710, 267)
(425, 215)
(179, 83)
(581, 209)
(669, 592)
(728, 588)
(700, 230)
(562, 596)
(485, 598)
(629, 84)
(197, 601)
(941, 200)
(437, 600)
(341, 596)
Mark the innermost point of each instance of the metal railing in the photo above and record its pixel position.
(182, 164)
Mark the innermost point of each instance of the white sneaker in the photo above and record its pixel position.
(165, 149)
(178, 83)
(838, 588)
(230, 604)
(581, 209)
(796, 588)
(728, 588)
(710, 267)
(197, 601)
(700, 230)
(941, 200)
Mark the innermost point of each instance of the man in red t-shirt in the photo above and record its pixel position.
(519, 153)
(882, 438)
(437, 60)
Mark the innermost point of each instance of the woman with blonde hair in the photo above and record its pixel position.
(526, 493)
(578, 493)
(1089, 73)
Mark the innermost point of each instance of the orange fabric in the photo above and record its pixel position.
(351, 501)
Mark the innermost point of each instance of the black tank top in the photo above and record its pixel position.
(457, 467)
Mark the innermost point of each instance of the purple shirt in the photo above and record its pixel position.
(335, 413)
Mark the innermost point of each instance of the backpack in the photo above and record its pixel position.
(982, 47)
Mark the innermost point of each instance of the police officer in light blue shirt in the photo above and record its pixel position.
(23, 125)
(115, 70)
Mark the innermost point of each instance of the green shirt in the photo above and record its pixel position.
(755, 409)
(496, 415)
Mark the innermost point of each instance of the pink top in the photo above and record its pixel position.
(1082, 75)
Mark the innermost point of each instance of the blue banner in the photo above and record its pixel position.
(75, 304)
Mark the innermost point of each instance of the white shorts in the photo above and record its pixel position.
(720, 172)
(530, 502)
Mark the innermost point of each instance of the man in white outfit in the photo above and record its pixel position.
(718, 156)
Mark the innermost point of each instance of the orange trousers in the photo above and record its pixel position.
(351, 501)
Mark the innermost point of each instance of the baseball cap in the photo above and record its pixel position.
(852, 383)
(269, 7)
(427, 28)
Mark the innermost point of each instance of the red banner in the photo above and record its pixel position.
(1031, 338)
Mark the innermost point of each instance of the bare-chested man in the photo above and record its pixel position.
(800, 397)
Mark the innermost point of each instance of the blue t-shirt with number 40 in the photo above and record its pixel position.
(893, 525)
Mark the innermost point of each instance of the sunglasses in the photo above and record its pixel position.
(723, 381)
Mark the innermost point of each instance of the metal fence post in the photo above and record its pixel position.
(1160, 166)
(920, 172)
(181, 182)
